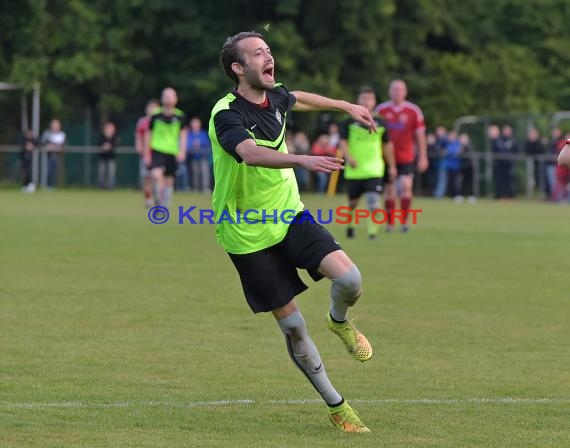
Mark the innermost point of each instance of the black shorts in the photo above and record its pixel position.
(165, 161)
(357, 187)
(269, 277)
(404, 169)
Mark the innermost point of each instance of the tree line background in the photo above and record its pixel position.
(458, 57)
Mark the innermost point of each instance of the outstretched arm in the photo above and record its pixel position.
(310, 102)
(254, 155)
(564, 156)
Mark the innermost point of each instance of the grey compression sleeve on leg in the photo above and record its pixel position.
(373, 200)
(305, 355)
(167, 192)
(345, 291)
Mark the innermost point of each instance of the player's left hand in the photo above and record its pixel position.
(362, 115)
(423, 164)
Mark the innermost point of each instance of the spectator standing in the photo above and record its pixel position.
(533, 147)
(467, 169)
(29, 145)
(430, 176)
(322, 147)
(504, 146)
(435, 144)
(453, 151)
(441, 152)
(334, 135)
(107, 163)
(303, 147)
(552, 150)
(200, 154)
(53, 140)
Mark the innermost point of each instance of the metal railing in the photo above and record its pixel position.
(529, 172)
(83, 165)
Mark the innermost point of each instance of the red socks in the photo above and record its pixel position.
(390, 205)
(405, 203)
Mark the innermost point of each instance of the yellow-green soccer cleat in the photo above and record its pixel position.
(346, 419)
(354, 341)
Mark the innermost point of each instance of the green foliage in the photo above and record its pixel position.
(489, 56)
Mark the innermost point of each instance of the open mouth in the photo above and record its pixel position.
(268, 73)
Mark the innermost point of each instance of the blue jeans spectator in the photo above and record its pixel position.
(201, 174)
(182, 181)
(53, 162)
(550, 180)
(107, 173)
(302, 176)
(441, 185)
(322, 181)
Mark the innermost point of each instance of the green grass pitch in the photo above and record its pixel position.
(118, 333)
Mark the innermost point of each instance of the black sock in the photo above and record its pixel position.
(336, 405)
(337, 321)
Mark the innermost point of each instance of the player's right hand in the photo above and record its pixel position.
(393, 173)
(362, 115)
(322, 164)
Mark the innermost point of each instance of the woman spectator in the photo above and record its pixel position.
(53, 140)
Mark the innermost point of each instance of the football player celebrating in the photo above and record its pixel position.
(254, 171)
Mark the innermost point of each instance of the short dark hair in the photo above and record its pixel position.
(231, 53)
(366, 89)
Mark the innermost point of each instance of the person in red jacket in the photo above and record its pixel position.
(562, 171)
(564, 156)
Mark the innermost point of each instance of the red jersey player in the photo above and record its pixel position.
(564, 155)
(141, 132)
(406, 128)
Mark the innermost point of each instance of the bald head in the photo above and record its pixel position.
(398, 91)
(169, 97)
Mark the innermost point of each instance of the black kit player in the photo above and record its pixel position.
(254, 172)
(366, 155)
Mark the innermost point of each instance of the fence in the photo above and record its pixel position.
(78, 167)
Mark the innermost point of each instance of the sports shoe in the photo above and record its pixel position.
(350, 232)
(389, 228)
(405, 228)
(354, 341)
(346, 419)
